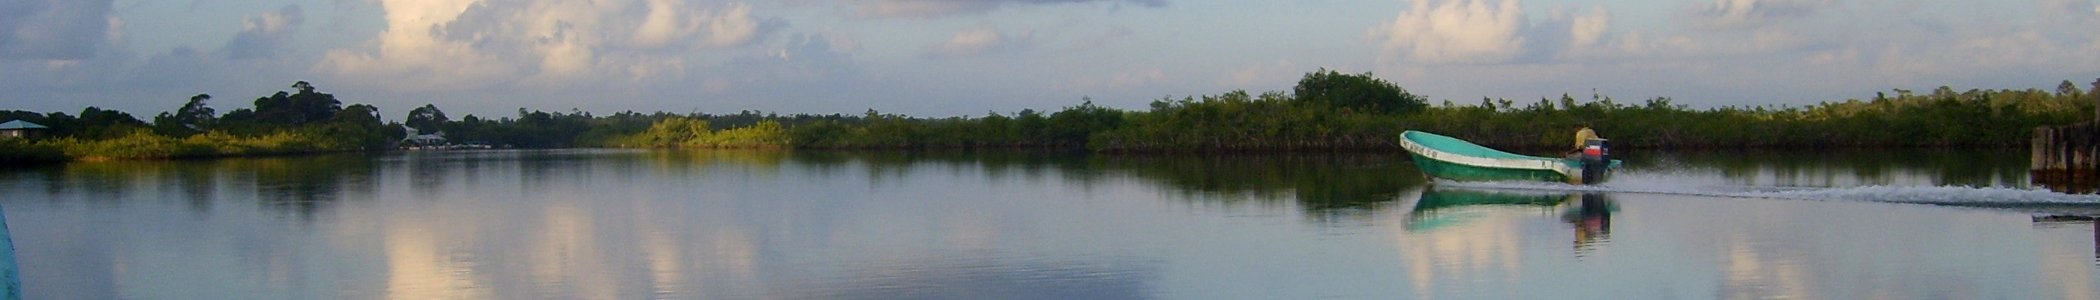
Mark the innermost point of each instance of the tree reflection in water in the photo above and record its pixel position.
(298, 187)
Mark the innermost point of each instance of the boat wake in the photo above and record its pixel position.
(2037, 200)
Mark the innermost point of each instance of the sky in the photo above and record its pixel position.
(938, 58)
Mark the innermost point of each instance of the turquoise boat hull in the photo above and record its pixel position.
(1454, 159)
(10, 273)
(1434, 199)
(1443, 207)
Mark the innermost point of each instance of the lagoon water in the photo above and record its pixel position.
(641, 224)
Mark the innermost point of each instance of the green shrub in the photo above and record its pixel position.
(21, 151)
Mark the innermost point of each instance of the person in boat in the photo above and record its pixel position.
(1583, 135)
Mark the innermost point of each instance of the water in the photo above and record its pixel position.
(630, 224)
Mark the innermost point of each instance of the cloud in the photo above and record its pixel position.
(1588, 29)
(778, 78)
(1281, 71)
(1120, 80)
(804, 56)
(669, 21)
(1092, 42)
(942, 8)
(1457, 31)
(1998, 54)
(265, 35)
(981, 41)
(2073, 7)
(55, 30)
(465, 44)
(1737, 14)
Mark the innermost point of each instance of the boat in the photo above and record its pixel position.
(1454, 159)
(1444, 206)
(10, 273)
(1441, 198)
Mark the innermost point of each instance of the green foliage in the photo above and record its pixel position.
(426, 119)
(192, 131)
(1993, 118)
(672, 132)
(1074, 125)
(191, 118)
(296, 109)
(144, 144)
(1356, 92)
(1239, 121)
(20, 151)
(95, 122)
(765, 134)
(1327, 110)
(683, 132)
(1236, 121)
(819, 134)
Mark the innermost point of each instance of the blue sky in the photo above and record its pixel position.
(969, 57)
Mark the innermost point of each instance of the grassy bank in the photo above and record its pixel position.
(144, 144)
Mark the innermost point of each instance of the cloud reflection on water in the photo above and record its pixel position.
(735, 224)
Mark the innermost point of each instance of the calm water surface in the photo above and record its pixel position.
(620, 224)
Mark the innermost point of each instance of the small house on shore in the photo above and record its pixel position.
(20, 129)
(418, 139)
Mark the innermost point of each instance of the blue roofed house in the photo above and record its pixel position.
(20, 129)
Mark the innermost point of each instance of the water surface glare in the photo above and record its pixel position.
(634, 224)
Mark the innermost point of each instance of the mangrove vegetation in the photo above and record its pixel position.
(1325, 111)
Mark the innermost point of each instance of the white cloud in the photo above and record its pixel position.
(2024, 51)
(1137, 78)
(942, 8)
(2074, 8)
(804, 56)
(1120, 80)
(980, 41)
(1265, 74)
(466, 44)
(919, 8)
(670, 21)
(1456, 31)
(56, 30)
(1733, 14)
(1093, 42)
(265, 35)
(1586, 30)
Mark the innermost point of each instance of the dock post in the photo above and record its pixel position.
(2063, 158)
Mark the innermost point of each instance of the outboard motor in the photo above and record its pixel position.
(1596, 160)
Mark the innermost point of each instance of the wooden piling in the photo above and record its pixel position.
(2063, 158)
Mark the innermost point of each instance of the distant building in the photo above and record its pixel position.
(416, 139)
(21, 129)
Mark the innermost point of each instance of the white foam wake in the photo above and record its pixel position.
(1937, 195)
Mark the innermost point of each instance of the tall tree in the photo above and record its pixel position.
(195, 113)
(1359, 92)
(95, 122)
(307, 106)
(427, 119)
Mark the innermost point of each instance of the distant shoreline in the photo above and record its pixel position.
(14, 161)
(1326, 111)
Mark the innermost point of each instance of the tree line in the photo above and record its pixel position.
(1325, 111)
(1333, 111)
(304, 121)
